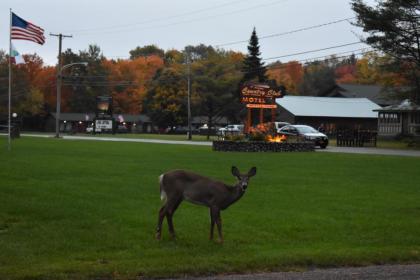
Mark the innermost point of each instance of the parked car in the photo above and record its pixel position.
(231, 128)
(278, 125)
(305, 132)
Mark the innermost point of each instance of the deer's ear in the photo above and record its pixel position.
(252, 171)
(235, 171)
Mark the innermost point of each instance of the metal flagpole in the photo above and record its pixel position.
(10, 84)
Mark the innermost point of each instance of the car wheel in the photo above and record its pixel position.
(323, 146)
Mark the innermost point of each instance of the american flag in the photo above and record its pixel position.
(24, 30)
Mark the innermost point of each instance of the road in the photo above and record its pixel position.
(380, 272)
(330, 149)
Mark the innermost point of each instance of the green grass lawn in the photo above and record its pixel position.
(87, 209)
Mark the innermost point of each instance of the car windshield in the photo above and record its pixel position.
(306, 129)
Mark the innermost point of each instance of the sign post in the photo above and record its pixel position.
(104, 122)
(259, 96)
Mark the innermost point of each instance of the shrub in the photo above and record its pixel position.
(235, 137)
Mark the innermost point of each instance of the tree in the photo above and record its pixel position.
(288, 75)
(215, 81)
(166, 98)
(393, 28)
(145, 51)
(84, 84)
(254, 69)
(173, 56)
(128, 79)
(318, 78)
(199, 52)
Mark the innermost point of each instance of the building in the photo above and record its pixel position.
(78, 122)
(400, 119)
(376, 94)
(334, 113)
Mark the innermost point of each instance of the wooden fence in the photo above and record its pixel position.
(356, 138)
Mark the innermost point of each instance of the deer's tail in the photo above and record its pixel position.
(163, 195)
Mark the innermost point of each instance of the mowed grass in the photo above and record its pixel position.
(88, 210)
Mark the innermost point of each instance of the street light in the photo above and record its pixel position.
(59, 80)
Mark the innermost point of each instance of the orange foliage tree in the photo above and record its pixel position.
(287, 74)
(129, 79)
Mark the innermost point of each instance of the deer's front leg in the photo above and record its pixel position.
(215, 216)
(212, 222)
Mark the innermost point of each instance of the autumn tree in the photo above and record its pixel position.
(173, 56)
(166, 98)
(27, 99)
(288, 74)
(128, 80)
(393, 28)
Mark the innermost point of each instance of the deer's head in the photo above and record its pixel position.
(243, 178)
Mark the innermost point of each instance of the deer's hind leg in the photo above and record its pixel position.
(172, 205)
(162, 214)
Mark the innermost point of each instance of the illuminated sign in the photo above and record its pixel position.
(260, 91)
(262, 106)
(103, 124)
(104, 106)
(259, 94)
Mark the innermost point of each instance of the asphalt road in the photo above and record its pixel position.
(329, 149)
(381, 272)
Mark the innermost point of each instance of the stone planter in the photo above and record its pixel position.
(242, 146)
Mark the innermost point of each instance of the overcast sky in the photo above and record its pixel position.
(119, 26)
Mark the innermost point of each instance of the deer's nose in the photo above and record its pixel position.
(244, 186)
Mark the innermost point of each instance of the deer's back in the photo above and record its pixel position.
(192, 187)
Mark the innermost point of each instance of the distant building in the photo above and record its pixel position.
(79, 122)
(400, 119)
(333, 113)
(375, 93)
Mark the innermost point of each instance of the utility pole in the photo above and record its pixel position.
(189, 95)
(59, 80)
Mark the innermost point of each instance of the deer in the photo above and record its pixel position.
(179, 185)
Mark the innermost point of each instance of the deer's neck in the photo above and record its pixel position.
(235, 193)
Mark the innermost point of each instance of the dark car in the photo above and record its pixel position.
(305, 132)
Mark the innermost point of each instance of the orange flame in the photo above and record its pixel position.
(276, 138)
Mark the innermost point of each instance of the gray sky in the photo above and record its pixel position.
(119, 26)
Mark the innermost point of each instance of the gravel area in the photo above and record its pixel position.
(381, 272)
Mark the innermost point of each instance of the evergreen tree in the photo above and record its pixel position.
(393, 28)
(254, 69)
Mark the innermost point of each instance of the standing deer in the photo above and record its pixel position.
(177, 185)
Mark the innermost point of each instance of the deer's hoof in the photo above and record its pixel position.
(158, 236)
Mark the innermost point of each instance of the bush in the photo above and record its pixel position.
(256, 136)
(235, 137)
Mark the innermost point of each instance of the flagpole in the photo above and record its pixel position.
(10, 84)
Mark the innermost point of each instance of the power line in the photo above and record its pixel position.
(317, 50)
(188, 21)
(288, 32)
(159, 19)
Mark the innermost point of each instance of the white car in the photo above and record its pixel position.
(232, 129)
(278, 125)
